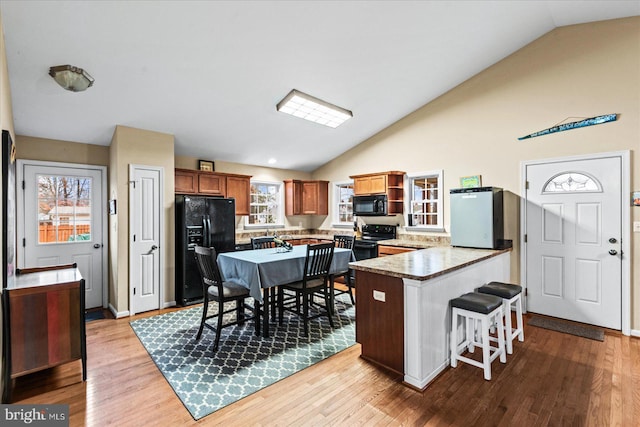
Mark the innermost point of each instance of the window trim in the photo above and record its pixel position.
(280, 201)
(439, 173)
(336, 223)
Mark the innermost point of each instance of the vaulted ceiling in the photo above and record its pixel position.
(212, 72)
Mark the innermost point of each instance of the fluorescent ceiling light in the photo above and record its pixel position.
(271, 161)
(313, 109)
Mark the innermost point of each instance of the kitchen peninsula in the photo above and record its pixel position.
(402, 305)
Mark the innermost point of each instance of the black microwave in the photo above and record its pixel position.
(375, 205)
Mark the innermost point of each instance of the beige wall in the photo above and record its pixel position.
(140, 147)
(576, 71)
(31, 148)
(6, 110)
(6, 123)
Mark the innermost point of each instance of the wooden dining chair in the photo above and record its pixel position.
(346, 242)
(315, 281)
(263, 242)
(215, 290)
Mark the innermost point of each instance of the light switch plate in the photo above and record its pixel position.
(379, 296)
(636, 226)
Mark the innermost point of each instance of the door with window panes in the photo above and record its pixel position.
(63, 222)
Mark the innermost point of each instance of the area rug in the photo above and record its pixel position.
(244, 363)
(567, 327)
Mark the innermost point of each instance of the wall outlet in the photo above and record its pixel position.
(379, 296)
(636, 226)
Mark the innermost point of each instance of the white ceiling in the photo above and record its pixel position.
(211, 73)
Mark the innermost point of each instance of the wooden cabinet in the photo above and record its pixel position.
(306, 197)
(375, 184)
(210, 184)
(186, 181)
(217, 184)
(384, 250)
(239, 187)
(292, 197)
(380, 320)
(389, 183)
(43, 322)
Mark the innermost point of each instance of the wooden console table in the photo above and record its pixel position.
(43, 322)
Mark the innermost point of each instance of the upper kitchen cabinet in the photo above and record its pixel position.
(369, 184)
(239, 187)
(186, 181)
(306, 197)
(212, 184)
(377, 183)
(390, 183)
(218, 184)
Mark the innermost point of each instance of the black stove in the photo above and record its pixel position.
(366, 246)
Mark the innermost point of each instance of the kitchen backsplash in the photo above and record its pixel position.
(316, 233)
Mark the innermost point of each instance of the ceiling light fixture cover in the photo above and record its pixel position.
(71, 78)
(310, 108)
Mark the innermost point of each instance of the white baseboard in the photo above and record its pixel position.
(635, 333)
(169, 304)
(117, 314)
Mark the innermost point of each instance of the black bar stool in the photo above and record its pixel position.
(511, 297)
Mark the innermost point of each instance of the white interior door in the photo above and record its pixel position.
(145, 226)
(573, 240)
(62, 221)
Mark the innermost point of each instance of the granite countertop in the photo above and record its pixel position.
(245, 240)
(425, 264)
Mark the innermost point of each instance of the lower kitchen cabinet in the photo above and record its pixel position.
(384, 250)
(380, 320)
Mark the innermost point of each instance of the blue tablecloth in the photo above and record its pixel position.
(264, 268)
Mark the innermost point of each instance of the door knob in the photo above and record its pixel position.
(96, 245)
(154, 247)
(613, 240)
(613, 252)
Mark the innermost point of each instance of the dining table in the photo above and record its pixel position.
(260, 270)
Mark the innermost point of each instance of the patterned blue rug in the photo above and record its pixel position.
(244, 363)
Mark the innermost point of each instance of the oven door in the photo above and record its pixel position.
(363, 249)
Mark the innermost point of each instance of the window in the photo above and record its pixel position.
(425, 200)
(266, 204)
(343, 203)
(572, 182)
(64, 208)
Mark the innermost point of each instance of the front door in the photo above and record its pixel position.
(573, 240)
(62, 222)
(145, 225)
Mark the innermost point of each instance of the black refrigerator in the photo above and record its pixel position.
(203, 221)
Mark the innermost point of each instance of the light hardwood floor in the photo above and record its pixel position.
(551, 379)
